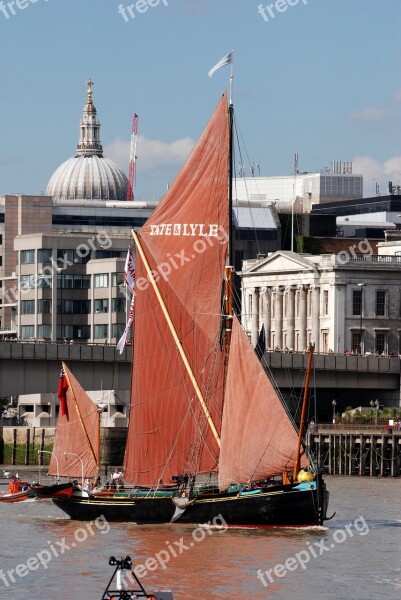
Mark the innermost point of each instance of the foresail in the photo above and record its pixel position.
(185, 244)
(257, 440)
(77, 435)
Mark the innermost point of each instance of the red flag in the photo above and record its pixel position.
(62, 392)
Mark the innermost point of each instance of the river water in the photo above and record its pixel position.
(356, 557)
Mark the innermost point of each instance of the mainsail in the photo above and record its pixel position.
(185, 243)
(77, 443)
(257, 440)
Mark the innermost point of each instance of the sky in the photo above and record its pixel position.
(320, 78)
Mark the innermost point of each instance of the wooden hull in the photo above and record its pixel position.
(283, 506)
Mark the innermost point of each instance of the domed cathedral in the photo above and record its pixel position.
(88, 175)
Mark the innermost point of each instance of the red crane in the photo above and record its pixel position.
(132, 158)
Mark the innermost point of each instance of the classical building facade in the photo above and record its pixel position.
(342, 302)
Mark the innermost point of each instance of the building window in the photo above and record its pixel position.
(117, 279)
(27, 332)
(325, 302)
(357, 302)
(44, 281)
(44, 308)
(356, 342)
(101, 280)
(102, 305)
(65, 282)
(250, 305)
(381, 342)
(117, 329)
(81, 332)
(82, 307)
(44, 331)
(118, 305)
(28, 282)
(45, 255)
(101, 331)
(82, 282)
(27, 307)
(309, 303)
(27, 257)
(325, 341)
(381, 303)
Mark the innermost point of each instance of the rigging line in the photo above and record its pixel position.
(258, 247)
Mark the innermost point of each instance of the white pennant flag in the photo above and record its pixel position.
(123, 338)
(129, 274)
(129, 269)
(228, 59)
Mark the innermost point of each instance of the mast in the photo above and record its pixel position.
(229, 270)
(303, 413)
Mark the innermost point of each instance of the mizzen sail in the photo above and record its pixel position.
(185, 244)
(258, 440)
(77, 435)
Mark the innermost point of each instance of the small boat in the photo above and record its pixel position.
(124, 583)
(210, 439)
(17, 491)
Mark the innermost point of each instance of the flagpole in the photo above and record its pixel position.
(231, 81)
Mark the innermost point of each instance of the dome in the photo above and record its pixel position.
(88, 175)
(88, 178)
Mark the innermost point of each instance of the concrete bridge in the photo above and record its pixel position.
(27, 368)
(32, 368)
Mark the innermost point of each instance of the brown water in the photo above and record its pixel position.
(357, 557)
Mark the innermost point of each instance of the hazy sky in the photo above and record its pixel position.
(316, 77)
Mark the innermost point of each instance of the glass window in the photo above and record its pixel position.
(82, 332)
(28, 307)
(381, 303)
(82, 307)
(117, 329)
(28, 282)
(45, 255)
(45, 331)
(356, 341)
(44, 281)
(101, 280)
(117, 279)
(27, 331)
(325, 302)
(381, 342)
(102, 305)
(357, 302)
(27, 257)
(44, 308)
(101, 331)
(118, 305)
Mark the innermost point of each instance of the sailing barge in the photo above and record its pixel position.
(209, 435)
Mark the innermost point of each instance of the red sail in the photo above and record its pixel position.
(185, 243)
(77, 442)
(257, 440)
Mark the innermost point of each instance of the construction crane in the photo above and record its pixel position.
(132, 158)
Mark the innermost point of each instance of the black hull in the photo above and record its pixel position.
(283, 506)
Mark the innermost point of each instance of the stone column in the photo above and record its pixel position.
(255, 317)
(278, 310)
(291, 317)
(267, 314)
(302, 318)
(316, 316)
